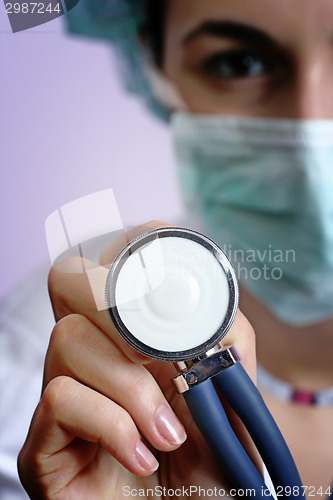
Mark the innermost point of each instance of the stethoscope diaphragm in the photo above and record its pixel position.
(172, 294)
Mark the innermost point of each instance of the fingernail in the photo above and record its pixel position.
(145, 457)
(169, 426)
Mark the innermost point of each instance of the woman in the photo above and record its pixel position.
(241, 58)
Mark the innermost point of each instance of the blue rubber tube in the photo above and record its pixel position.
(246, 400)
(211, 420)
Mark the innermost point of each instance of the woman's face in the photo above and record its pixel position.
(252, 57)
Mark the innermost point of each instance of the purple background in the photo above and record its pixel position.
(68, 130)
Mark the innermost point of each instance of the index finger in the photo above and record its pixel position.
(77, 286)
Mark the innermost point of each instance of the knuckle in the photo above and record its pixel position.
(124, 431)
(52, 279)
(59, 281)
(122, 422)
(54, 283)
(66, 331)
(139, 381)
(56, 393)
(67, 334)
(143, 391)
(56, 293)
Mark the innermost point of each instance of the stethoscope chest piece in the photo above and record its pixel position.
(172, 294)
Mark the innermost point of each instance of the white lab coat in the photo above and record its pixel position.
(26, 321)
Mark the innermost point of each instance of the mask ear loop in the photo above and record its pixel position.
(163, 89)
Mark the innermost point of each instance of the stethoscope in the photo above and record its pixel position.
(172, 294)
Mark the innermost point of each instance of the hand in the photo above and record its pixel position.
(109, 416)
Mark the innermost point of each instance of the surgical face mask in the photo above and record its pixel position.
(264, 191)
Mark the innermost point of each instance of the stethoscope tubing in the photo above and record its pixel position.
(245, 399)
(210, 418)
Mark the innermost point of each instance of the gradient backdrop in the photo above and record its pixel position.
(67, 129)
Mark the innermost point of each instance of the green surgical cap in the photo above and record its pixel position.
(119, 22)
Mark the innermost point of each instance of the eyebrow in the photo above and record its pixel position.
(228, 29)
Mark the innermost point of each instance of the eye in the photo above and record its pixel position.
(238, 63)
